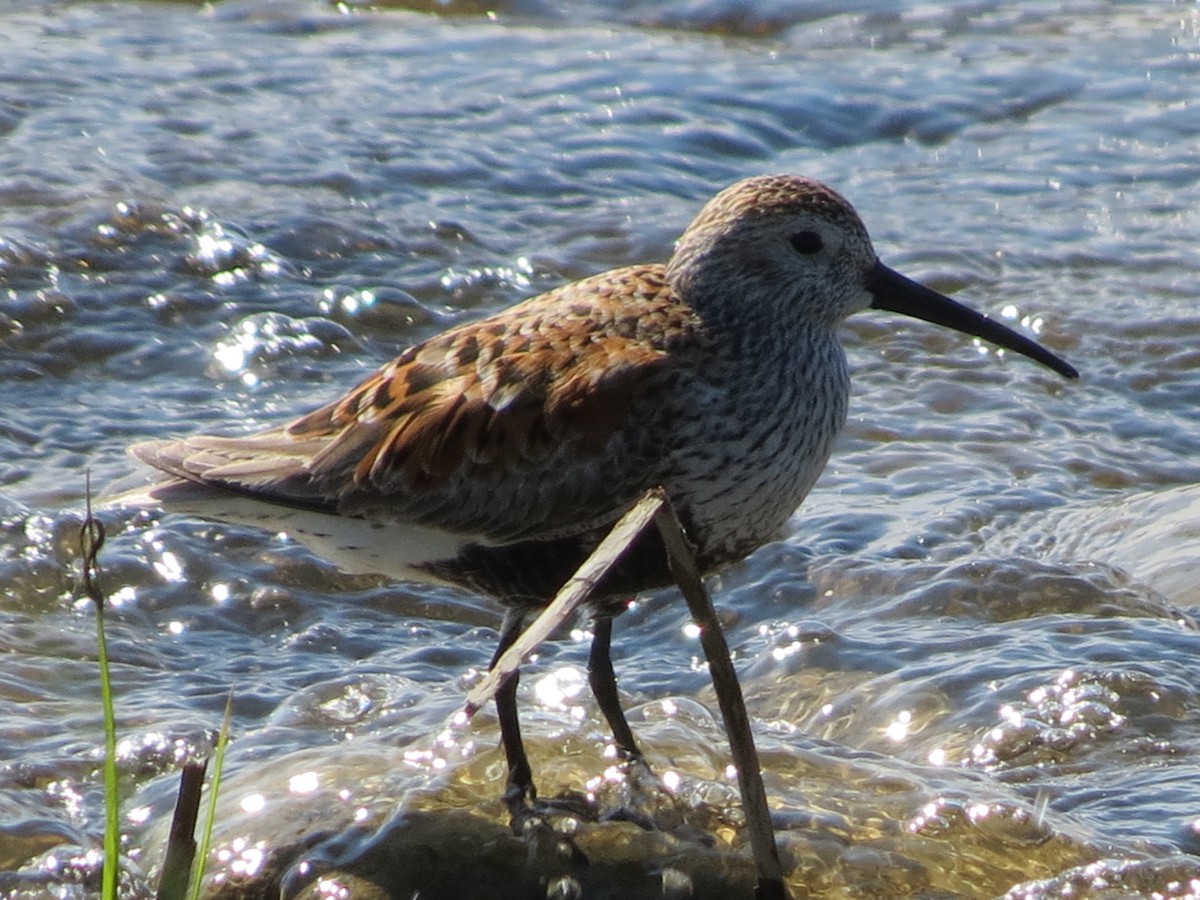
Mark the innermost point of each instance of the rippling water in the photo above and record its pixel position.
(971, 660)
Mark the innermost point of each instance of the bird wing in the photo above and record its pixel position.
(507, 428)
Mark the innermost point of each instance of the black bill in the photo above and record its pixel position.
(893, 292)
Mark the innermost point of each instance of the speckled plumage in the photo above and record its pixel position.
(547, 421)
(497, 454)
(524, 435)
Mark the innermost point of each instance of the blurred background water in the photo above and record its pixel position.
(970, 660)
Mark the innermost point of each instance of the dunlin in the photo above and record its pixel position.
(495, 455)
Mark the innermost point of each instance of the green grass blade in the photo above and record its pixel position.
(214, 789)
(91, 539)
(112, 802)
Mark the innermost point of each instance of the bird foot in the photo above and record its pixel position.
(640, 798)
(529, 813)
(644, 799)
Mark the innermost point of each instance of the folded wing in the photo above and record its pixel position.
(513, 427)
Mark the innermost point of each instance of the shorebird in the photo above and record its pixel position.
(495, 455)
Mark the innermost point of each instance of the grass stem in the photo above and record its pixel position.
(91, 539)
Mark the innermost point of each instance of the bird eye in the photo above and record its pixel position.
(806, 242)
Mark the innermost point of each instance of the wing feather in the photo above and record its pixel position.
(500, 428)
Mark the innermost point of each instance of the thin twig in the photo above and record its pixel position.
(573, 595)
(733, 706)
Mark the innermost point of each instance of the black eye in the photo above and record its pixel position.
(806, 242)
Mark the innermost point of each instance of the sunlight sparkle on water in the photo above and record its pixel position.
(779, 654)
(242, 858)
(611, 775)
(425, 759)
(139, 815)
(1013, 715)
(898, 730)
(304, 783)
(558, 688)
(169, 567)
(1033, 323)
(231, 356)
(977, 812)
(350, 303)
(126, 595)
(517, 275)
(66, 794)
(332, 888)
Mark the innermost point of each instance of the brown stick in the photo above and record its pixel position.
(733, 706)
(573, 595)
(181, 843)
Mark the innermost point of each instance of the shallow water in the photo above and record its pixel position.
(971, 660)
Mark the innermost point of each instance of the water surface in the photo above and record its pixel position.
(970, 659)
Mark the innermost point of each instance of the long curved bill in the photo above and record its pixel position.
(893, 292)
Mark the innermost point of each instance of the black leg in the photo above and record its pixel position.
(604, 687)
(520, 787)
